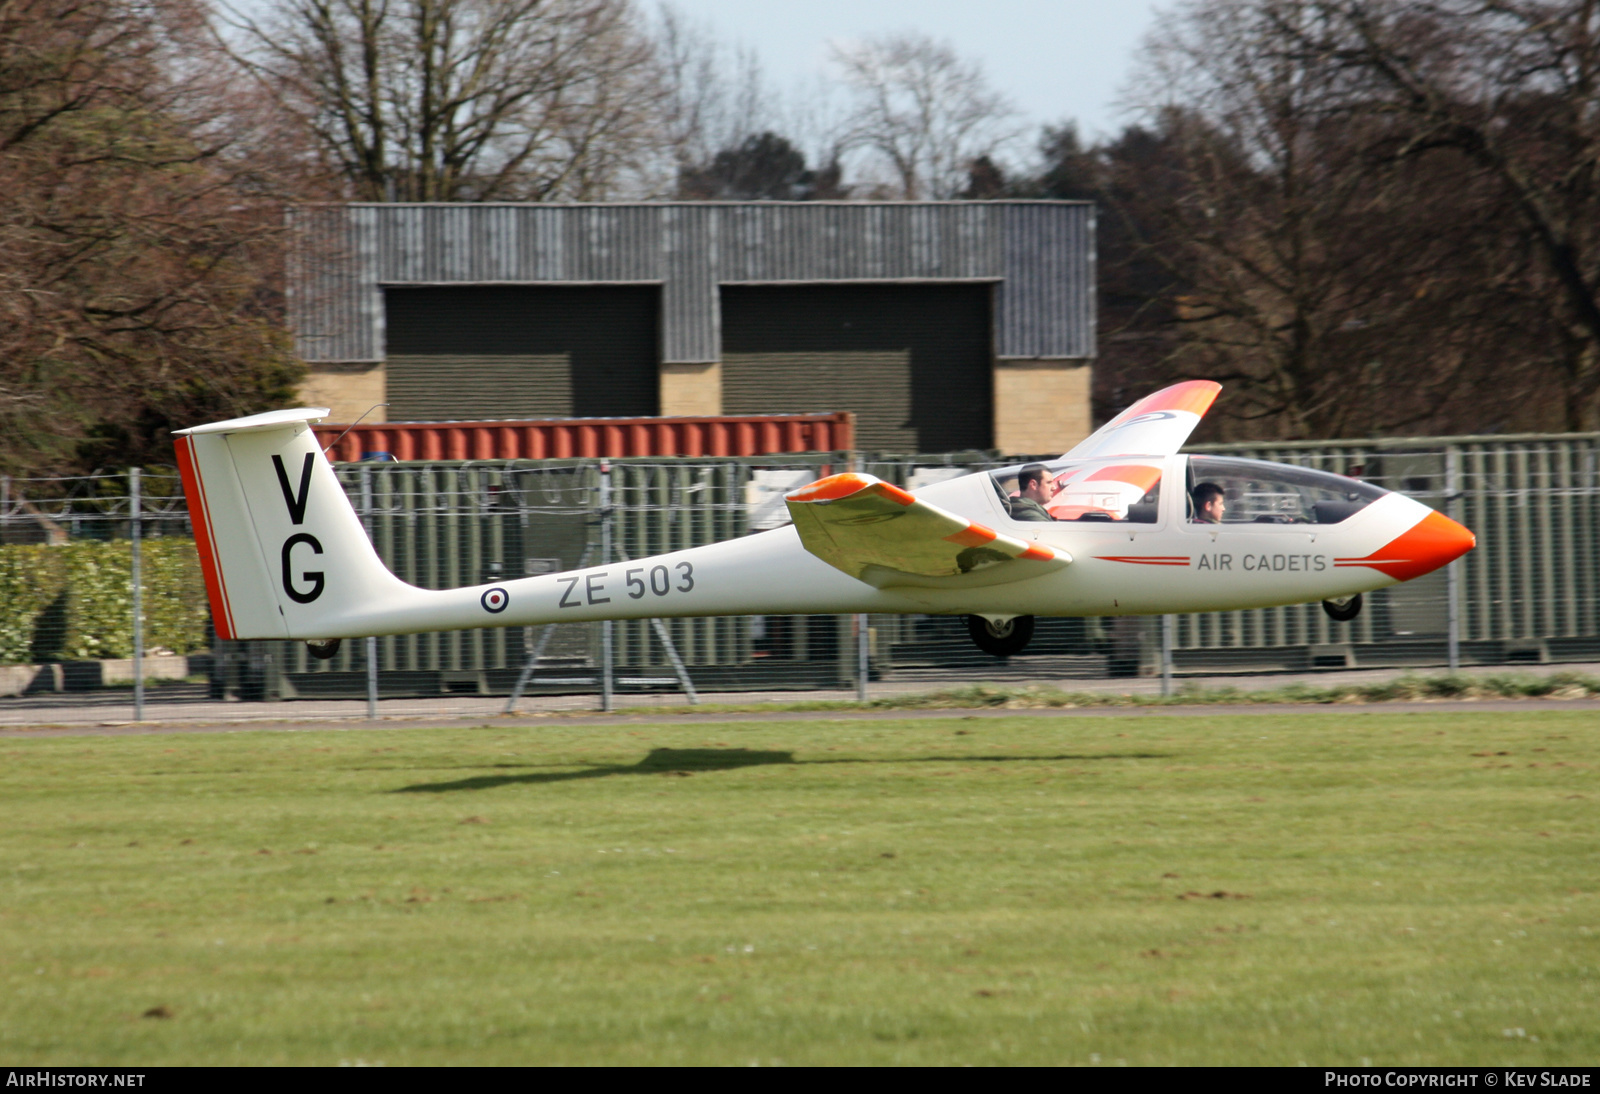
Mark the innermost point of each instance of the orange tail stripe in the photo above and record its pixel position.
(205, 543)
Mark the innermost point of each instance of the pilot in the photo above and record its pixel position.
(1208, 505)
(1035, 488)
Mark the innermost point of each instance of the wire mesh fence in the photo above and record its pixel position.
(107, 620)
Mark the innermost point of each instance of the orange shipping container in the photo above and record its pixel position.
(589, 438)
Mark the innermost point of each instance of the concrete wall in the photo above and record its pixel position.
(1041, 406)
(86, 675)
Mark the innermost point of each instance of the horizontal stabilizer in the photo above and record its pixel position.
(259, 423)
(880, 534)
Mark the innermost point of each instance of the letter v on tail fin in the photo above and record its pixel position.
(295, 500)
(281, 559)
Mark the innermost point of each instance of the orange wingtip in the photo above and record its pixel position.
(1038, 554)
(1195, 396)
(832, 488)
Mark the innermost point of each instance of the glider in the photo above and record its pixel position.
(285, 556)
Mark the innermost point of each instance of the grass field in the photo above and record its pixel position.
(1329, 888)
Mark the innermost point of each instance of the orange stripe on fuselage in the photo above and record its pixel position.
(204, 539)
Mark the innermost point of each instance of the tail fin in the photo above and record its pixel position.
(283, 553)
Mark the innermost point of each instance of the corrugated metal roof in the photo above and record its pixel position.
(589, 438)
(1046, 299)
(1040, 253)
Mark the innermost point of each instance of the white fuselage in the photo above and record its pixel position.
(1171, 565)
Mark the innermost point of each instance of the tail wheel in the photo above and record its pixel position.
(1002, 639)
(324, 651)
(1344, 609)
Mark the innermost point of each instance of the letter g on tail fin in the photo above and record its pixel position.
(315, 577)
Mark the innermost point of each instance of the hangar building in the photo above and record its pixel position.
(941, 325)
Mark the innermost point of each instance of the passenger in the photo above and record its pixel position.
(1035, 488)
(1208, 505)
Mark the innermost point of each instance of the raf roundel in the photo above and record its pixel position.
(495, 601)
(1151, 416)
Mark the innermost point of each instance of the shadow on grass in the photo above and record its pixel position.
(689, 761)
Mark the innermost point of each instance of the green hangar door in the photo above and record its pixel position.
(912, 361)
(473, 352)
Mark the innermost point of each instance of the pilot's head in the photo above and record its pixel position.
(1208, 503)
(1033, 481)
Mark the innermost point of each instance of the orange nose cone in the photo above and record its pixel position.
(1462, 540)
(1443, 540)
(1432, 542)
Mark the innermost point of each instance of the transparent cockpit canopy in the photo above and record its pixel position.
(1127, 489)
(1256, 492)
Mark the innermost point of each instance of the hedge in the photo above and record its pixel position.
(75, 602)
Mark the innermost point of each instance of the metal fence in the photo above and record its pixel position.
(106, 613)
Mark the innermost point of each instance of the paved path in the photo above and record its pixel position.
(641, 718)
(171, 711)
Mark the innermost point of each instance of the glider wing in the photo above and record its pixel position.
(878, 533)
(1156, 425)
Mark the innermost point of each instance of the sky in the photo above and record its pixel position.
(1056, 59)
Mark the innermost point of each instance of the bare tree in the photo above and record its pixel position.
(729, 134)
(1337, 289)
(716, 96)
(459, 100)
(926, 112)
(1506, 92)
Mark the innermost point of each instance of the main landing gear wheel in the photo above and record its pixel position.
(1001, 639)
(324, 651)
(1343, 609)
